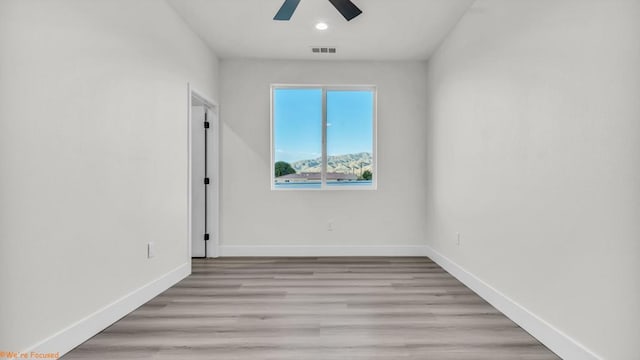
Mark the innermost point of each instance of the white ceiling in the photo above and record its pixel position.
(386, 30)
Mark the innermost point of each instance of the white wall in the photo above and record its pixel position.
(534, 157)
(391, 216)
(93, 155)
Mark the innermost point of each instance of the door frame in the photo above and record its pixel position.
(213, 165)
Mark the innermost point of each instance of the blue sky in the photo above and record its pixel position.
(298, 123)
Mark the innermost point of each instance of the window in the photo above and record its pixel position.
(323, 137)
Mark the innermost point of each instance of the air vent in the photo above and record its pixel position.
(323, 50)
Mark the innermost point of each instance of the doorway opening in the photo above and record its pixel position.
(204, 176)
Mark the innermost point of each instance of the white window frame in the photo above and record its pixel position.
(325, 88)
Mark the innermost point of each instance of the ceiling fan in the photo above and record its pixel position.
(348, 9)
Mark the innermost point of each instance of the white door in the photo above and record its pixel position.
(198, 199)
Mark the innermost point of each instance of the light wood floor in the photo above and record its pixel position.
(315, 308)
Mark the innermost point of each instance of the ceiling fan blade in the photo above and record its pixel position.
(286, 10)
(348, 9)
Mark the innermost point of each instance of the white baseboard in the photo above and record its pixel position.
(68, 338)
(292, 250)
(557, 341)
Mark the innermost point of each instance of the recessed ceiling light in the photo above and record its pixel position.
(322, 26)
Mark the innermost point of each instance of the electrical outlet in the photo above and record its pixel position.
(151, 250)
(458, 239)
(330, 225)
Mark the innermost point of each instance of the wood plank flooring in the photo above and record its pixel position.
(315, 308)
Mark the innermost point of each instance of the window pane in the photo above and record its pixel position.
(297, 138)
(350, 138)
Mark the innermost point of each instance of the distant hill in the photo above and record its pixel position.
(348, 163)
